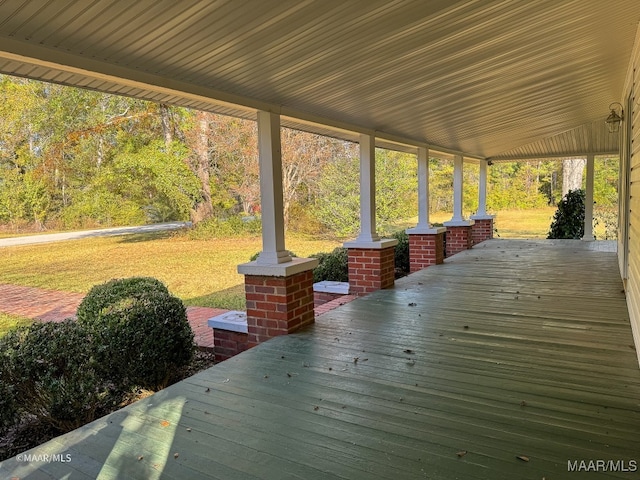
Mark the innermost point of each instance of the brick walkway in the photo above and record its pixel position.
(54, 306)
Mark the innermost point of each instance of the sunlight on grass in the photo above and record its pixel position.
(8, 322)
(200, 272)
(533, 223)
(524, 223)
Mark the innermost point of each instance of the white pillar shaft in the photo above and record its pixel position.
(457, 189)
(482, 189)
(270, 159)
(588, 200)
(367, 190)
(423, 188)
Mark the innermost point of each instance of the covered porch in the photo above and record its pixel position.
(514, 359)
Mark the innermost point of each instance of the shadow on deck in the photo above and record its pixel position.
(511, 349)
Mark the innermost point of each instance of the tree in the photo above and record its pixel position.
(337, 205)
(200, 165)
(572, 169)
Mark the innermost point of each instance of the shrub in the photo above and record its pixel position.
(402, 253)
(332, 266)
(141, 331)
(47, 370)
(103, 297)
(568, 221)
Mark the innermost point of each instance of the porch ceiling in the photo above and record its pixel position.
(490, 78)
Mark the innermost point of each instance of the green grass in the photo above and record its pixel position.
(8, 322)
(533, 223)
(200, 272)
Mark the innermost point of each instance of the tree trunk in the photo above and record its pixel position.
(572, 169)
(165, 120)
(203, 209)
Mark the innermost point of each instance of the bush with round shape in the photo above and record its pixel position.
(103, 297)
(141, 331)
(47, 370)
(332, 266)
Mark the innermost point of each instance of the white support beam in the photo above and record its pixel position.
(482, 190)
(424, 225)
(367, 190)
(588, 201)
(458, 165)
(270, 158)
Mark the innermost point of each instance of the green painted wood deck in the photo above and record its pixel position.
(511, 349)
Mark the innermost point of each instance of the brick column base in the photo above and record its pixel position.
(458, 239)
(278, 305)
(371, 267)
(482, 229)
(425, 249)
(226, 344)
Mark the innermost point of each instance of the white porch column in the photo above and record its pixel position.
(270, 158)
(457, 189)
(423, 189)
(367, 190)
(482, 189)
(588, 201)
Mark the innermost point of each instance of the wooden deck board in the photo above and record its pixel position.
(395, 384)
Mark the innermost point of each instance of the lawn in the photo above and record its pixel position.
(200, 272)
(532, 223)
(7, 322)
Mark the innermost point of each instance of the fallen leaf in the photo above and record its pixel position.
(164, 423)
(461, 453)
(523, 458)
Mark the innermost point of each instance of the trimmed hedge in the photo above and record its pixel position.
(332, 266)
(141, 331)
(47, 370)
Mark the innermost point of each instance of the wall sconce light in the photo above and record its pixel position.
(614, 119)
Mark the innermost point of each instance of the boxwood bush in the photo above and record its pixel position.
(332, 266)
(141, 331)
(47, 371)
